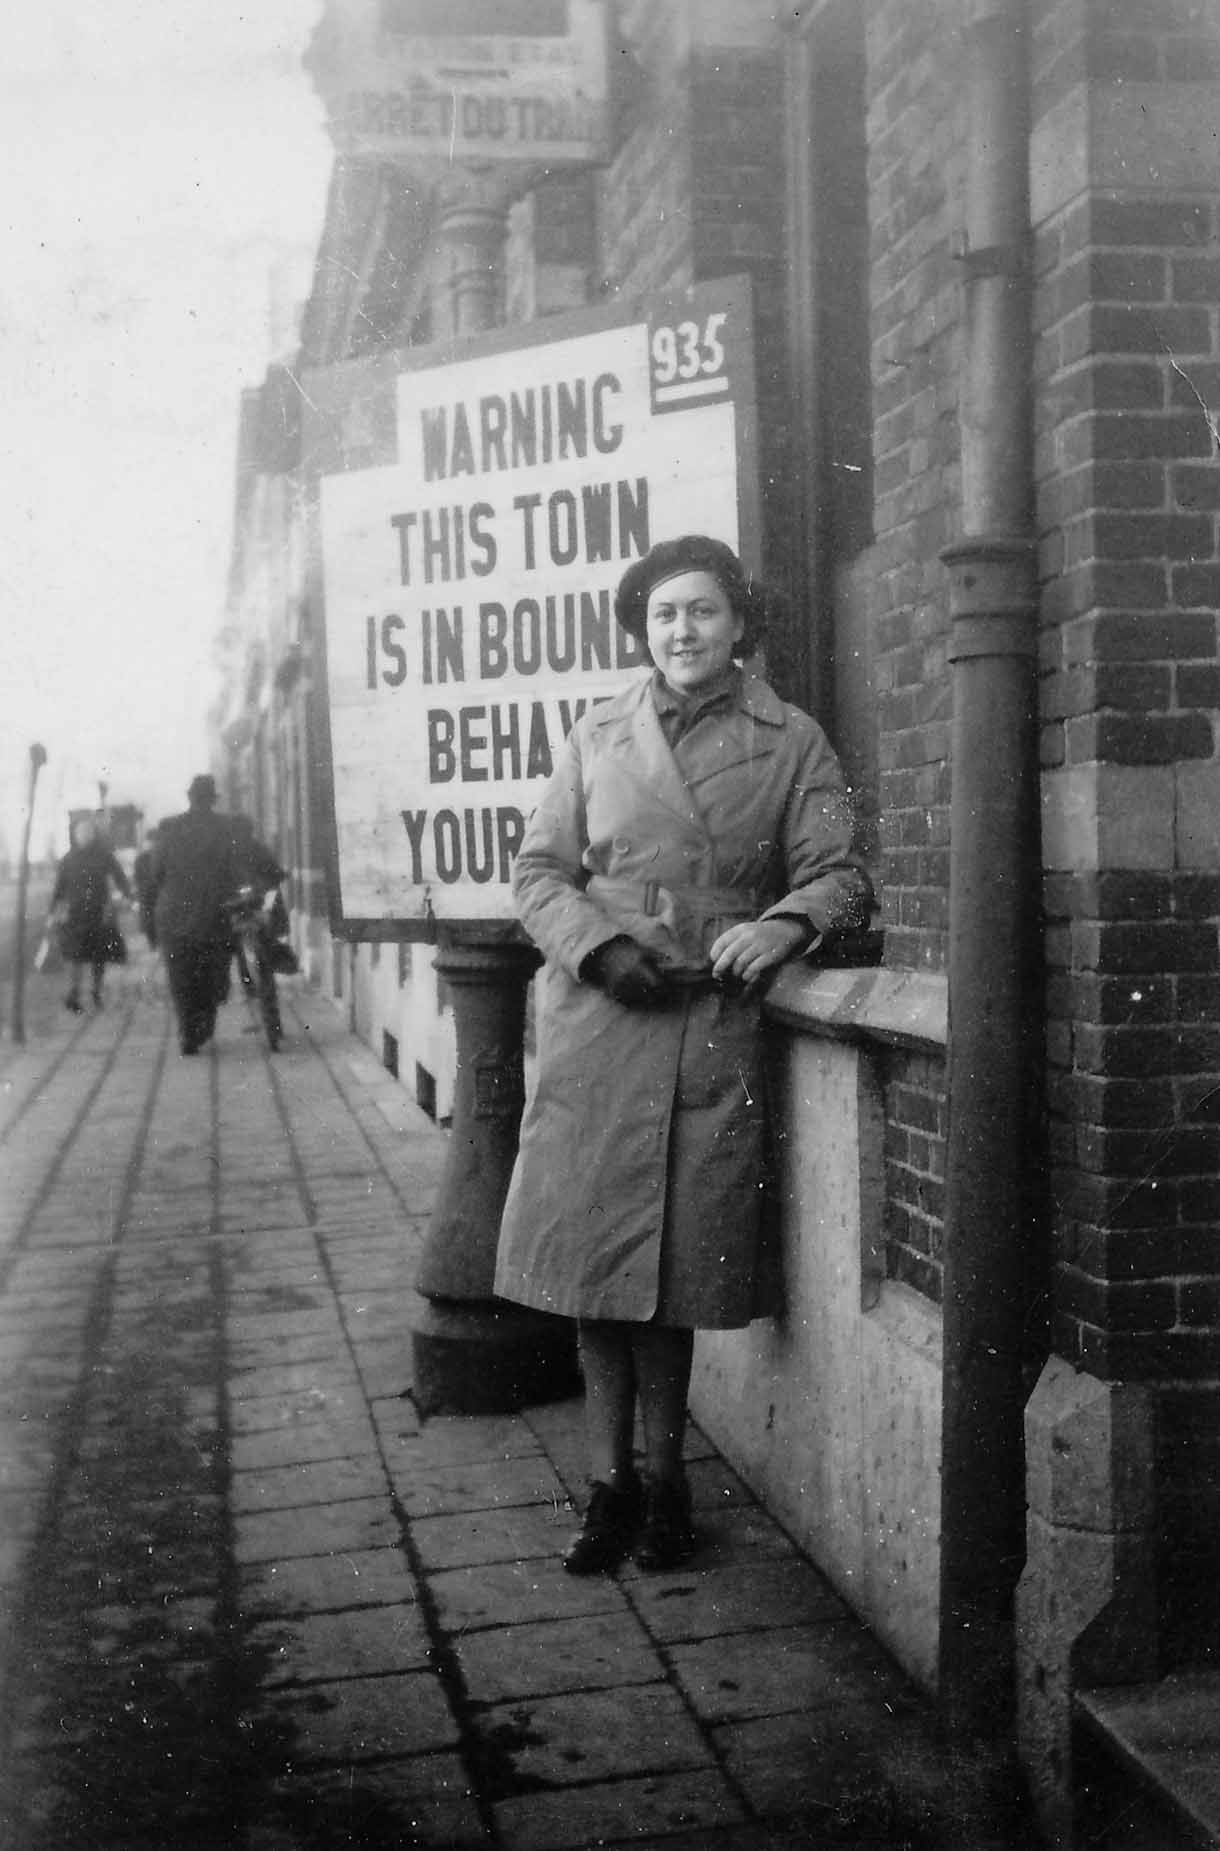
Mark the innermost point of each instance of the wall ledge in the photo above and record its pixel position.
(906, 1009)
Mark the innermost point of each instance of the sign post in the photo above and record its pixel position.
(38, 758)
(476, 506)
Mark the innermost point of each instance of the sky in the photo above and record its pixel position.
(163, 172)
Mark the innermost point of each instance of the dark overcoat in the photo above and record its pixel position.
(196, 868)
(637, 1187)
(83, 880)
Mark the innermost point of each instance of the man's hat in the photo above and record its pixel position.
(201, 790)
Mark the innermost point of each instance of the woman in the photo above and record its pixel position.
(82, 908)
(694, 835)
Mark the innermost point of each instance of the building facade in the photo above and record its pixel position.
(843, 155)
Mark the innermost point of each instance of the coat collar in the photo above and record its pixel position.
(631, 729)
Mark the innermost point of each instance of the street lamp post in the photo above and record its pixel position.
(38, 759)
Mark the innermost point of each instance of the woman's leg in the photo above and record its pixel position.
(613, 1512)
(98, 972)
(662, 1372)
(663, 1364)
(607, 1365)
(72, 999)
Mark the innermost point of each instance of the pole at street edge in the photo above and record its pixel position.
(38, 758)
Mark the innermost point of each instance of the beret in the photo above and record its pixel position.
(691, 552)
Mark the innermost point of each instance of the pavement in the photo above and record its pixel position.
(250, 1598)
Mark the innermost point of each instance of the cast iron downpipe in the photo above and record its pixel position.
(994, 901)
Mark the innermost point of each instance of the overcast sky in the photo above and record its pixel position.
(164, 170)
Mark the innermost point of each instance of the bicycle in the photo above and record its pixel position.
(256, 951)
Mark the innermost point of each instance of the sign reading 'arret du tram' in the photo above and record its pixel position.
(478, 516)
(444, 81)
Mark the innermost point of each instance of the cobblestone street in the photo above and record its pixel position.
(250, 1599)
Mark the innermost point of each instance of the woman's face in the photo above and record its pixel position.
(692, 628)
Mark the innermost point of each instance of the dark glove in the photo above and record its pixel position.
(625, 971)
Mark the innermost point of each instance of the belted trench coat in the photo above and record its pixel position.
(638, 1187)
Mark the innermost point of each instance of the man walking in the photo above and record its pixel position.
(195, 871)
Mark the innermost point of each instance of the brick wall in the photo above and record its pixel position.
(1128, 369)
(914, 168)
(914, 83)
(915, 1171)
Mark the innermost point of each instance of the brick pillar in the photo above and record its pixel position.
(1128, 263)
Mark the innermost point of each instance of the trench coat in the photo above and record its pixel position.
(638, 1188)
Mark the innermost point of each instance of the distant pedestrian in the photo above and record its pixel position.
(83, 910)
(195, 873)
(146, 888)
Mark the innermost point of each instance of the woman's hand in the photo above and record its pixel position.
(625, 971)
(746, 952)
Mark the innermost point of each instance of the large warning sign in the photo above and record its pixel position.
(467, 579)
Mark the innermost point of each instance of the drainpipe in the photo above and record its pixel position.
(994, 902)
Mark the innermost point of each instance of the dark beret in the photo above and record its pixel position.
(691, 552)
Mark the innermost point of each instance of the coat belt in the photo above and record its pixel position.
(707, 900)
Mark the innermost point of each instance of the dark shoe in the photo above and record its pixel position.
(72, 1002)
(667, 1537)
(606, 1534)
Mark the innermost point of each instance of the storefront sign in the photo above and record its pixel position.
(468, 566)
(466, 81)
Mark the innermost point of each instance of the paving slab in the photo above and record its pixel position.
(424, 1801)
(324, 1481)
(356, 1642)
(279, 1535)
(586, 1736)
(621, 1811)
(593, 1652)
(327, 1583)
(515, 1593)
(358, 1719)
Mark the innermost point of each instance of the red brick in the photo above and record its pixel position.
(1200, 1302)
(1162, 222)
(1169, 945)
(1145, 435)
(1196, 487)
(1198, 998)
(1199, 1200)
(1163, 739)
(1141, 636)
(1182, 332)
(1126, 276)
(1130, 687)
(1197, 389)
(1154, 536)
(1197, 585)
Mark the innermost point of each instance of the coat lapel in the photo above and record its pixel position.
(638, 748)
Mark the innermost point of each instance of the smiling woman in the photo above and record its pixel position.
(694, 834)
